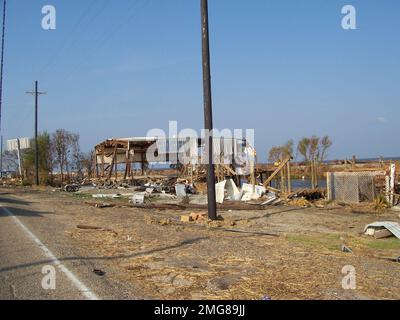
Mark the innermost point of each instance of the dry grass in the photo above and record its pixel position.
(296, 267)
(152, 252)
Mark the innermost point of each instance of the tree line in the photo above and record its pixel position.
(313, 150)
(61, 159)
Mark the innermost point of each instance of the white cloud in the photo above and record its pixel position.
(381, 119)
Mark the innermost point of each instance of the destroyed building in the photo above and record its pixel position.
(233, 157)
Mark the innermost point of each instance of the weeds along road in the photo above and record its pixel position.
(33, 245)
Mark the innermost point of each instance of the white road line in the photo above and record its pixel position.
(75, 281)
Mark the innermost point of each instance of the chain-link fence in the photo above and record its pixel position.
(352, 187)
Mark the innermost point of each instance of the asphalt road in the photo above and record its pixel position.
(37, 262)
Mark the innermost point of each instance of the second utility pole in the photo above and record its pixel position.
(1, 81)
(212, 205)
(36, 93)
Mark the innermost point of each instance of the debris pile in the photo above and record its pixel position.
(174, 193)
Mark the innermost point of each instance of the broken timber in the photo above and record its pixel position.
(277, 171)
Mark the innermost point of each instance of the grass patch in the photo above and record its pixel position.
(331, 242)
(82, 196)
(380, 244)
(376, 244)
(384, 244)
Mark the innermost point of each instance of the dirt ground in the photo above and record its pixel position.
(282, 252)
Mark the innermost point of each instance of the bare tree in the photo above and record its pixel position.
(275, 154)
(314, 151)
(282, 152)
(87, 160)
(303, 148)
(326, 143)
(314, 148)
(65, 146)
(76, 155)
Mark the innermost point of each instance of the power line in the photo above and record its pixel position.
(107, 35)
(67, 44)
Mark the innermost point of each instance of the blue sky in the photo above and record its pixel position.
(284, 68)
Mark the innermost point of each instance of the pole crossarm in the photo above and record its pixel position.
(34, 93)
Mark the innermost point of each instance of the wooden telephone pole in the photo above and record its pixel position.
(1, 81)
(2, 60)
(36, 94)
(212, 203)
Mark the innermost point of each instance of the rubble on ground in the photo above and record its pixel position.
(180, 194)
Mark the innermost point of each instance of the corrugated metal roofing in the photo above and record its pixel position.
(393, 227)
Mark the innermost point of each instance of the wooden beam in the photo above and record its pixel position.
(229, 169)
(112, 164)
(102, 164)
(277, 171)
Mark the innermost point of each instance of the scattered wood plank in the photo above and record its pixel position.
(273, 189)
(229, 169)
(83, 227)
(94, 228)
(100, 205)
(383, 234)
(396, 260)
(257, 233)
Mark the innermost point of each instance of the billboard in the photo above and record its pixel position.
(24, 143)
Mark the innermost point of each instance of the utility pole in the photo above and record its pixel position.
(212, 204)
(1, 157)
(1, 81)
(36, 93)
(2, 62)
(19, 159)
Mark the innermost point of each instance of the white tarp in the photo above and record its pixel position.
(180, 190)
(248, 196)
(220, 192)
(252, 192)
(254, 189)
(233, 193)
(138, 198)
